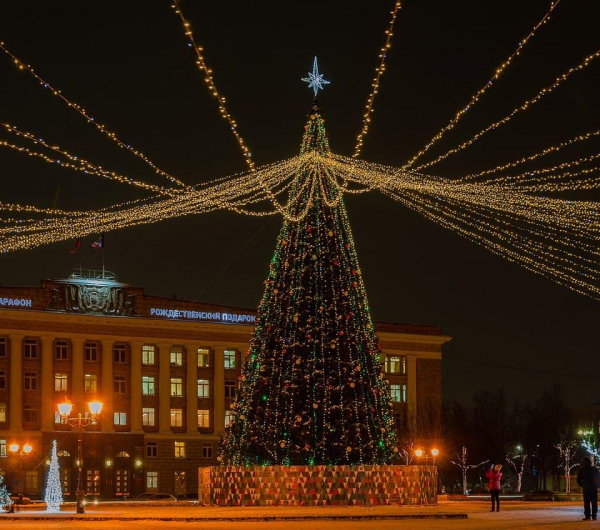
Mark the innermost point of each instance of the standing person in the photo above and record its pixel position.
(588, 479)
(494, 476)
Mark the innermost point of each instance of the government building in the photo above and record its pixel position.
(165, 370)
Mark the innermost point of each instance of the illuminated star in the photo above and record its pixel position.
(315, 79)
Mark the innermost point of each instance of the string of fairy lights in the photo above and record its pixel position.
(521, 210)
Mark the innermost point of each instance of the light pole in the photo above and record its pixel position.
(22, 451)
(80, 422)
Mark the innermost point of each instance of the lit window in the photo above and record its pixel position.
(29, 414)
(177, 356)
(65, 479)
(148, 416)
(207, 450)
(179, 480)
(203, 388)
(395, 364)
(229, 389)
(229, 359)
(151, 481)
(61, 350)
(120, 418)
(176, 417)
(30, 381)
(90, 383)
(151, 449)
(179, 449)
(2, 380)
(2, 412)
(176, 386)
(398, 393)
(60, 382)
(119, 384)
(122, 454)
(120, 353)
(92, 480)
(148, 351)
(203, 358)
(63, 452)
(30, 348)
(57, 417)
(3, 346)
(147, 385)
(31, 482)
(3, 448)
(203, 418)
(228, 416)
(90, 351)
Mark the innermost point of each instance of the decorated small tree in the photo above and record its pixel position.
(53, 496)
(4, 495)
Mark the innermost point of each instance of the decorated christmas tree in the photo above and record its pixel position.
(4, 495)
(53, 496)
(311, 390)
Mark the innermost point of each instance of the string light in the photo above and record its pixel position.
(212, 87)
(389, 32)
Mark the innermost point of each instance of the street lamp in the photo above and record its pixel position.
(22, 451)
(64, 410)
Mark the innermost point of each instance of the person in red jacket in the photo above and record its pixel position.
(494, 477)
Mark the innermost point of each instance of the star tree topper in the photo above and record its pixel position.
(315, 79)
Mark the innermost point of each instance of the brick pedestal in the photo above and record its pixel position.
(317, 485)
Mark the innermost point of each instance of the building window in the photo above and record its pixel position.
(60, 382)
(65, 478)
(29, 414)
(120, 353)
(177, 356)
(148, 416)
(180, 481)
(203, 388)
(148, 351)
(2, 412)
(147, 385)
(229, 359)
(90, 383)
(30, 348)
(90, 352)
(122, 482)
(228, 416)
(2, 380)
(395, 364)
(176, 417)
(57, 417)
(151, 449)
(207, 450)
(31, 482)
(179, 449)
(203, 358)
(151, 481)
(176, 386)
(61, 350)
(3, 346)
(92, 480)
(398, 393)
(30, 381)
(3, 448)
(120, 418)
(119, 384)
(229, 389)
(203, 418)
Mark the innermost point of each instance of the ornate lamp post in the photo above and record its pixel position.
(80, 422)
(22, 451)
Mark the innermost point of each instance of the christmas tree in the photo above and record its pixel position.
(311, 391)
(53, 496)
(4, 495)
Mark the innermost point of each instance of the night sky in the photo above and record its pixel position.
(128, 63)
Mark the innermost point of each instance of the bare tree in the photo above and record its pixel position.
(518, 464)
(465, 467)
(568, 452)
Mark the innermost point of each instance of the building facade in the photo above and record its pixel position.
(165, 370)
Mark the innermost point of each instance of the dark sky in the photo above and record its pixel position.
(128, 63)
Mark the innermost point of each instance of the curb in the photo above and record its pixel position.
(266, 518)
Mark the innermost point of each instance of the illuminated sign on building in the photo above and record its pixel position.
(16, 302)
(214, 316)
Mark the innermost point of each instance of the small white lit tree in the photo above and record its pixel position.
(4, 495)
(517, 462)
(461, 462)
(53, 496)
(568, 452)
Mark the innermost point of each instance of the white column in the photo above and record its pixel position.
(16, 382)
(136, 386)
(164, 388)
(107, 386)
(219, 390)
(192, 389)
(48, 403)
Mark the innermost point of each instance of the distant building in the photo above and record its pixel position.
(166, 371)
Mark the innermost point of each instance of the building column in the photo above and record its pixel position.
(48, 404)
(77, 390)
(164, 388)
(107, 386)
(411, 372)
(219, 390)
(136, 386)
(192, 388)
(16, 382)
